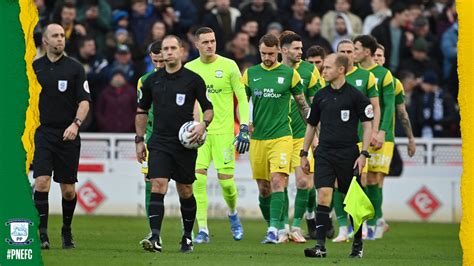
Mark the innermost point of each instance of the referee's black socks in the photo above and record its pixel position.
(188, 213)
(68, 211)
(42, 205)
(322, 223)
(156, 211)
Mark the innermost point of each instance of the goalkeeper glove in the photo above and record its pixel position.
(242, 141)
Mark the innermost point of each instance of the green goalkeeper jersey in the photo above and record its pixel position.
(271, 90)
(309, 78)
(149, 122)
(385, 85)
(223, 80)
(364, 81)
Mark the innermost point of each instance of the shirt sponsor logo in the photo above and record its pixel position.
(219, 73)
(257, 79)
(369, 111)
(345, 114)
(180, 98)
(267, 93)
(62, 85)
(358, 82)
(281, 80)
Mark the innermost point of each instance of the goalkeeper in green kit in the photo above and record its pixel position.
(222, 78)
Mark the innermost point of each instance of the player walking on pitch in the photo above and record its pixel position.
(292, 49)
(271, 84)
(223, 80)
(381, 156)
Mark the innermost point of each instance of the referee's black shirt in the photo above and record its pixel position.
(339, 112)
(64, 86)
(173, 96)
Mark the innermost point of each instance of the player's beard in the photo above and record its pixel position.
(268, 63)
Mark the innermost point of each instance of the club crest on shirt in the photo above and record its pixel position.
(358, 82)
(345, 115)
(62, 85)
(219, 73)
(281, 80)
(180, 98)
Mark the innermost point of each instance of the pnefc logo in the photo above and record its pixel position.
(19, 232)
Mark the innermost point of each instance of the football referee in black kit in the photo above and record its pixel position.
(338, 108)
(63, 105)
(173, 90)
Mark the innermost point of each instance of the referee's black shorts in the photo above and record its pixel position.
(331, 164)
(173, 161)
(54, 156)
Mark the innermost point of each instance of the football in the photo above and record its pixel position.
(184, 133)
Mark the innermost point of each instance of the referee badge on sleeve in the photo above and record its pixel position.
(180, 98)
(345, 114)
(62, 85)
(369, 111)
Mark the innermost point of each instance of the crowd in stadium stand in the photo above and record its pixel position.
(110, 38)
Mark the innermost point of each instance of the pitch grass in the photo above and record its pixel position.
(106, 240)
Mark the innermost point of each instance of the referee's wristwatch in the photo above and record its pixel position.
(139, 139)
(365, 153)
(303, 153)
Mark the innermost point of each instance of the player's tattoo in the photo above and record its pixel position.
(405, 120)
(302, 105)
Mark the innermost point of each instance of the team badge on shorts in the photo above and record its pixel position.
(180, 98)
(281, 80)
(358, 82)
(345, 115)
(62, 85)
(219, 73)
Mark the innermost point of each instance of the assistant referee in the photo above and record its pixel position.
(63, 105)
(173, 90)
(338, 107)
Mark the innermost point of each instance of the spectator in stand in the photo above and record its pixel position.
(295, 22)
(342, 30)
(393, 36)
(419, 62)
(240, 50)
(120, 19)
(123, 61)
(178, 15)
(312, 34)
(224, 20)
(251, 28)
(433, 108)
(381, 12)
(94, 66)
(449, 48)
(73, 31)
(119, 4)
(421, 29)
(96, 16)
(261, 11)
(275, 28)
(141, 20)
(328, 26)
(117, 105)
(114, 39)
(447, 18)
(157, 32)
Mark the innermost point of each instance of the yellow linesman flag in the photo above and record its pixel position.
(358, 205)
